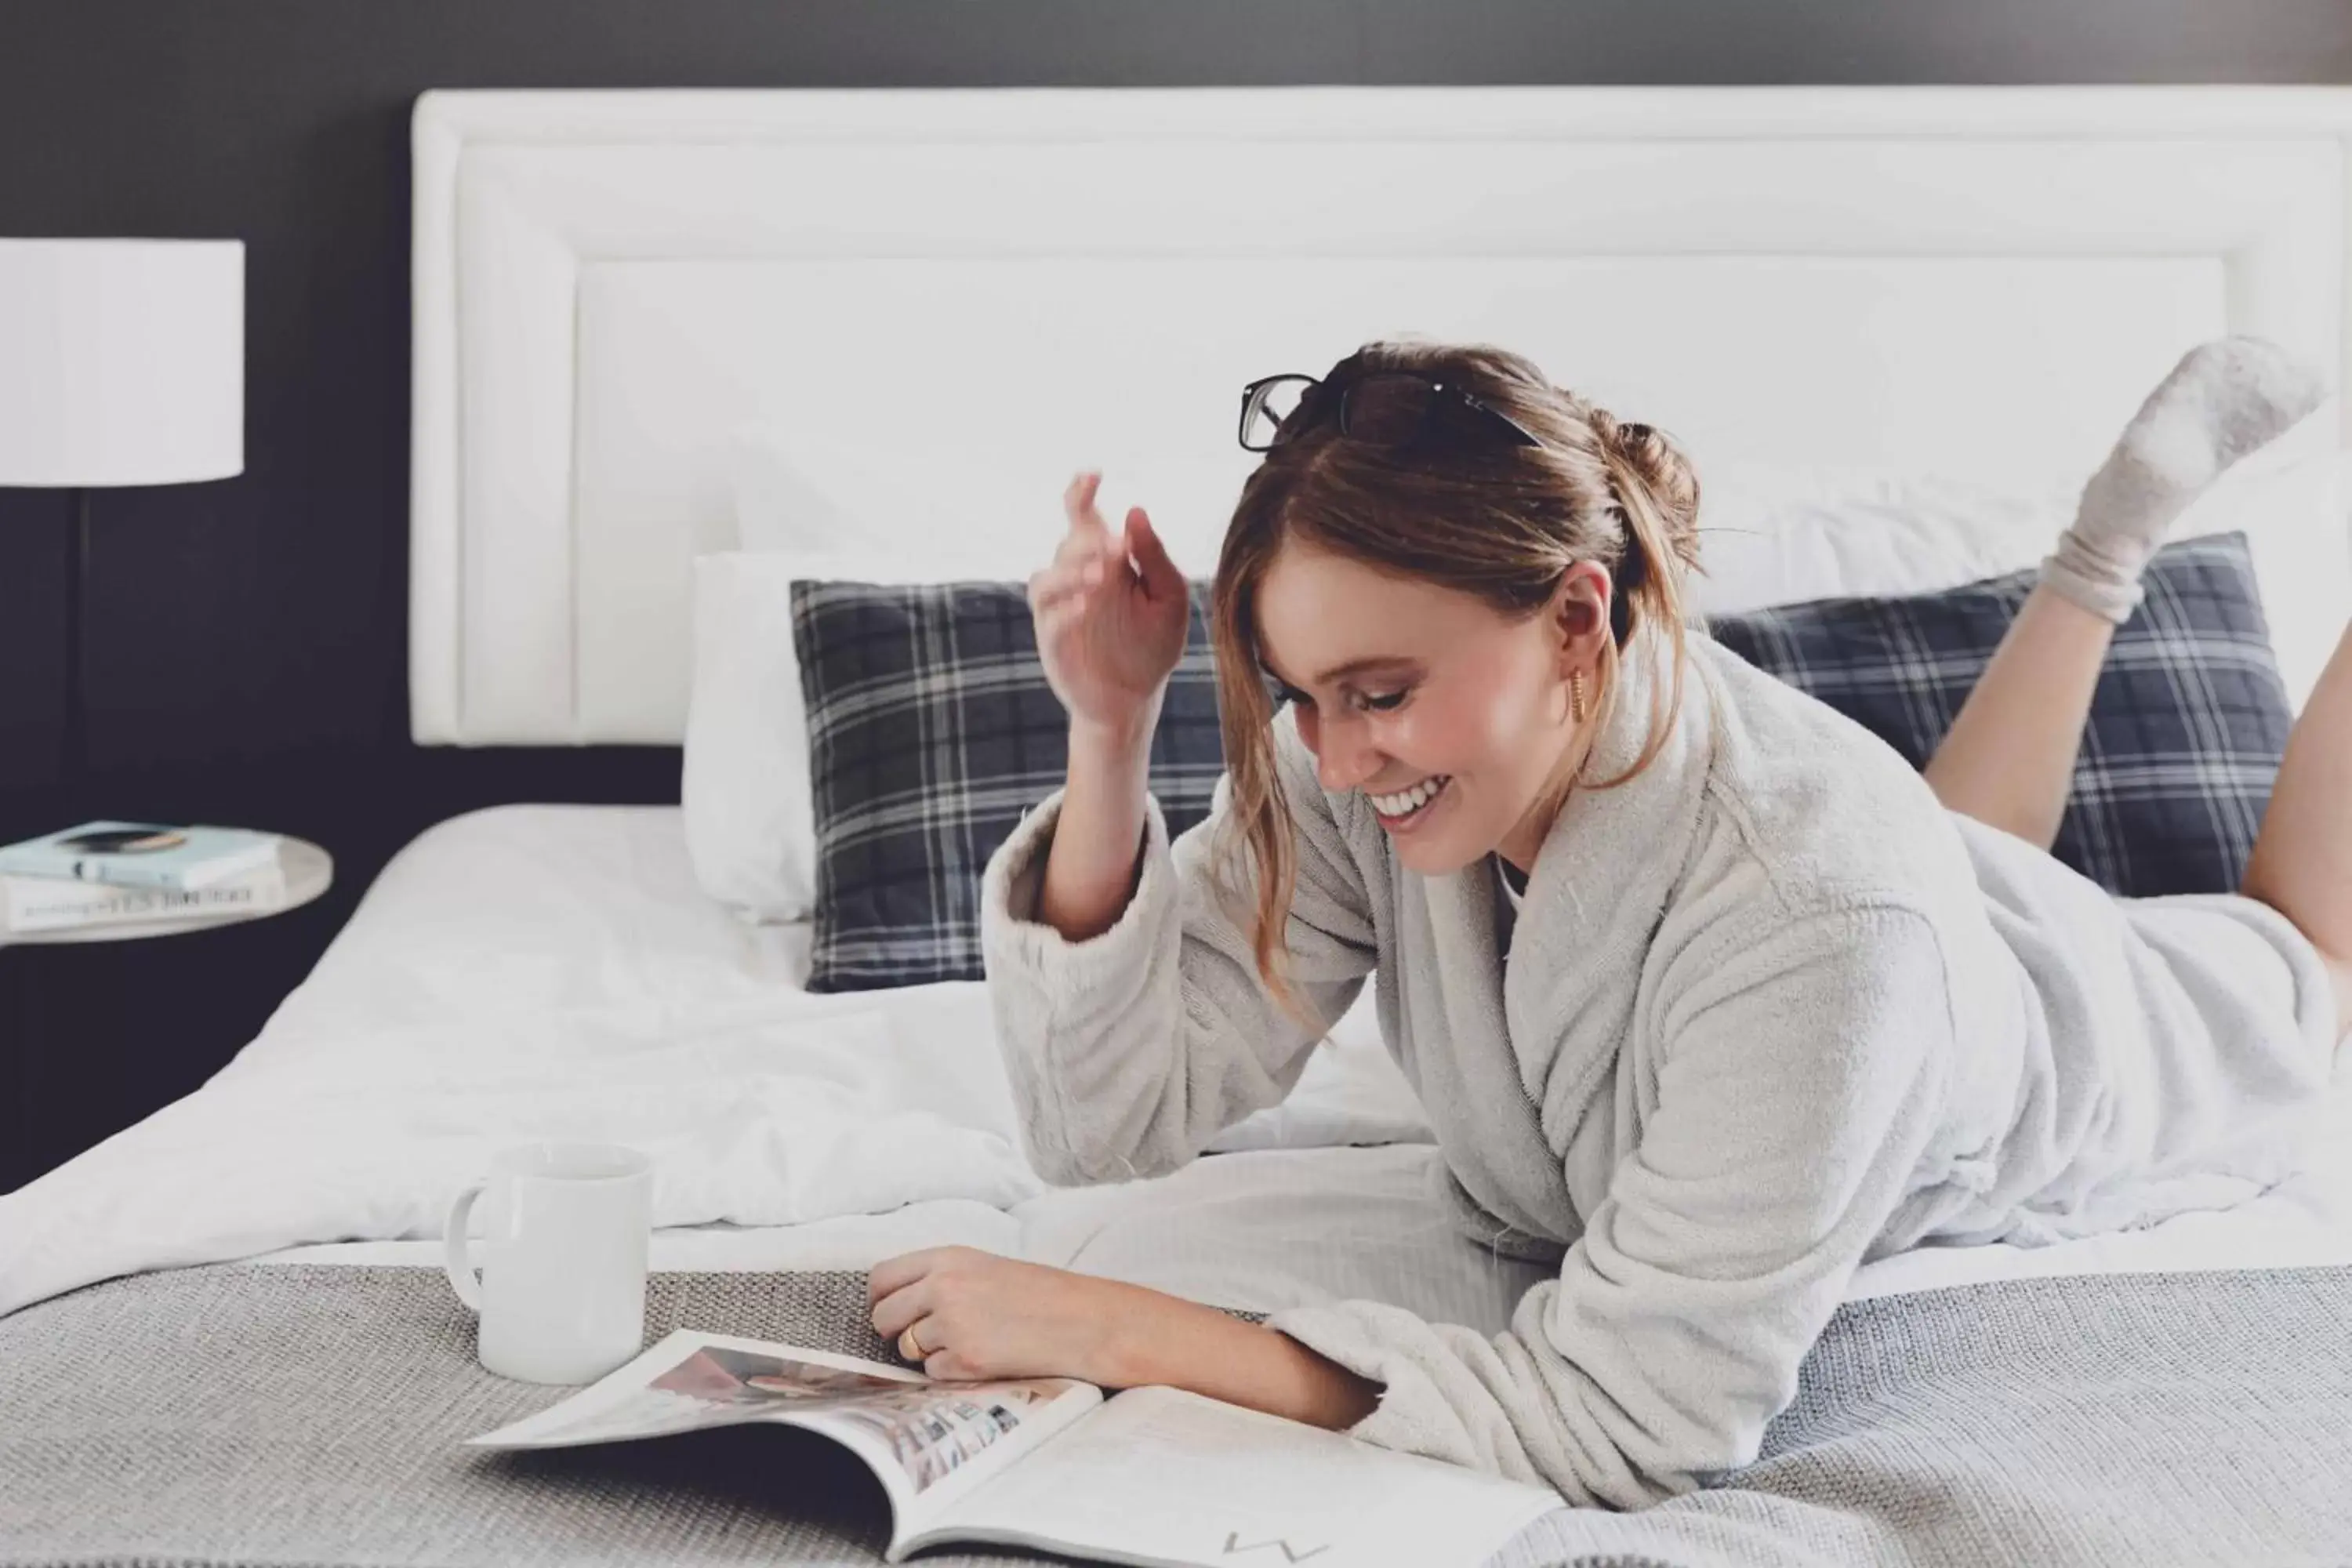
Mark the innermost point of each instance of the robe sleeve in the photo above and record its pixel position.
(1129, 1051)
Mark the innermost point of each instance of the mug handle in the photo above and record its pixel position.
(455, 1259)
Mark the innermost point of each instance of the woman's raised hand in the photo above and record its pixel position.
(1111, 613)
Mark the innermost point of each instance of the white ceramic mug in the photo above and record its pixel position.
(562, 1289)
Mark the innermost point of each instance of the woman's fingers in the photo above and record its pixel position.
(1083, 562)
(909, 1305)
(894, 1274)
(1159, 573)
(1091, 561)
(1084, 543)
(1076, 550)
(1078, 505)
(1055, 586)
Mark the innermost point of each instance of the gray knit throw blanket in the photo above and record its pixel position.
(237, 1415)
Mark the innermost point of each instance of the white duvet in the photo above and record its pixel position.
(551, 972)
(753, 1115)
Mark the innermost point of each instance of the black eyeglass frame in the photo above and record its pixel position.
(1253, 397)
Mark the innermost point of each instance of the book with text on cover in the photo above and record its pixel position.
(141, 854)
(31, 904)
(1153, 1477)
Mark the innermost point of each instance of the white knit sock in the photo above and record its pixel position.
(2222, 400)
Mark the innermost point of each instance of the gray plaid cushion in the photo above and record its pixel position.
(931, 730)
(2186, 728)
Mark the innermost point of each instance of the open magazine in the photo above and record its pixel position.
(1155, 1476)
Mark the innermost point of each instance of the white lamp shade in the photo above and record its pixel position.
(121, 361)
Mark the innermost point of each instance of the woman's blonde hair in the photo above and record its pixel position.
(1499, 521)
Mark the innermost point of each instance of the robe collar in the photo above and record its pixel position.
(1605, 873)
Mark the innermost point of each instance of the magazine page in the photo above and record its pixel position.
(1163, 1478)
(928, 1442)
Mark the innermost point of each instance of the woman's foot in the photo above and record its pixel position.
(2224, 399)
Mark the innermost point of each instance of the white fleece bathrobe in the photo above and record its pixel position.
(1770, 1012)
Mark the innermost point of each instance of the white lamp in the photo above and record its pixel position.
(121, 362)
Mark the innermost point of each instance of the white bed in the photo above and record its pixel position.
(611, 288)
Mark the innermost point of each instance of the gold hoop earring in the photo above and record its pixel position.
(1575, 693)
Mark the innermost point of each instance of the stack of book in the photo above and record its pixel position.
(122, 873)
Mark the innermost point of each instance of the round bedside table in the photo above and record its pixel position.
(309, 871)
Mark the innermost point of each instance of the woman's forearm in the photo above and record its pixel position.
(1090, 866)
(1170, 1341)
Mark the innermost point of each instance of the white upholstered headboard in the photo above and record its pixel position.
(1973, 281)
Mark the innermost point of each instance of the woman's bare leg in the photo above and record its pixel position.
(2008, 758)
(2302, 863)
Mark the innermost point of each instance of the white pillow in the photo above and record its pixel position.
(1778, 536)
(750, 829)
(927, 511)
(750, 820)
(1772, 537)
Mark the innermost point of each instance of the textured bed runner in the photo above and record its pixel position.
(232, 1415)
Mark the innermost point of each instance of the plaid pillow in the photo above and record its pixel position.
(2187, 725)
(931, 730)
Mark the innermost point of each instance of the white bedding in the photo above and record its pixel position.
(543, 970)
(598, 904)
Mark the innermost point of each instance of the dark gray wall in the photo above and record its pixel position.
(249, 637)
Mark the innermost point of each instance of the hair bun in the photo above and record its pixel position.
(1644, 452)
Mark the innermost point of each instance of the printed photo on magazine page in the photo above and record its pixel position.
(928, 1429)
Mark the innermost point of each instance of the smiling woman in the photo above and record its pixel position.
(1762, 1011)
